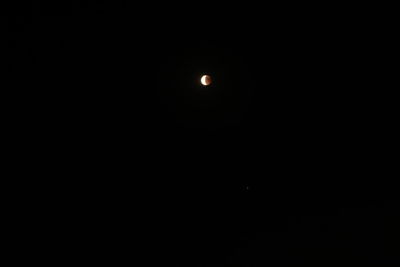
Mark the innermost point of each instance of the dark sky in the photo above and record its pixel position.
(111, 93)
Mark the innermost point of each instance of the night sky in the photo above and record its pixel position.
(280, 161)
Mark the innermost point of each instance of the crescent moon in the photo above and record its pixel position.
(205, 80)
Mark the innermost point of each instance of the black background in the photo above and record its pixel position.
(281, 160)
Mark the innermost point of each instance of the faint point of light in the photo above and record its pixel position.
(205, 80)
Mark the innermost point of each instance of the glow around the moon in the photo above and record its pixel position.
(205, 80)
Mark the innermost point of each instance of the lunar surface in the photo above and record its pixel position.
(206, 80)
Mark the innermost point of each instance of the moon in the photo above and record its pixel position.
(205, 80)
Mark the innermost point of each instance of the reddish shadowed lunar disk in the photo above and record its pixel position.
(205, 80)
